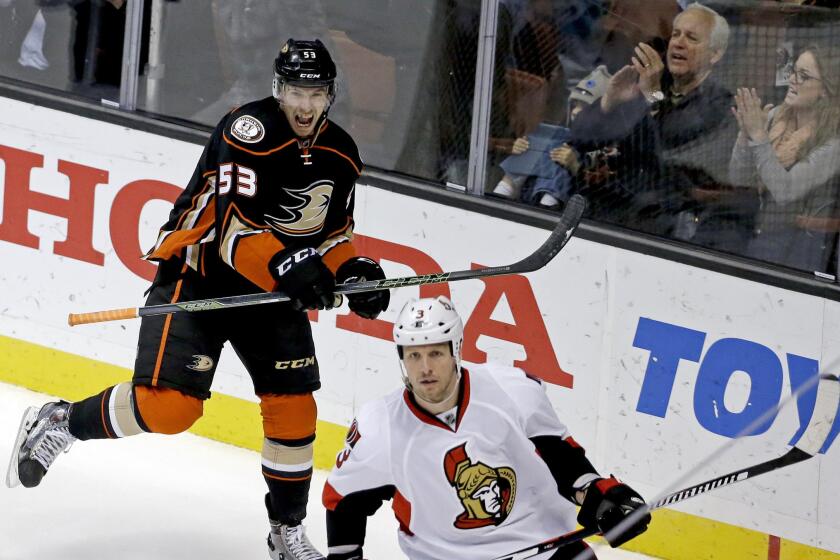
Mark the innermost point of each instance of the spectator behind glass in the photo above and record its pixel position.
(676, 112)
(22, 28)
(247, 32)
(791, 154)
(546, 169)
(73, 45)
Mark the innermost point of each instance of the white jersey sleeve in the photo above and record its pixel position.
(360, 480)
(363, 463)
(528, 398)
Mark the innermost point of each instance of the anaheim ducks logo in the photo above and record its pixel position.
(486, 493)
(309, 216)
(248, 129)
(201, 363)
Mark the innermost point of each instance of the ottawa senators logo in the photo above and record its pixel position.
(309, 215)
(486, 493)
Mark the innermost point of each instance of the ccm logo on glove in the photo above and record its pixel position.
(294, 259)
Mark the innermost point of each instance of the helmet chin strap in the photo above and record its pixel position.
(318, 124)
(408, 386)
(455, 386)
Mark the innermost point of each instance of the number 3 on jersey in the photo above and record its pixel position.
(243, 177)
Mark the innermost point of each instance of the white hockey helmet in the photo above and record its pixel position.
(430, 321)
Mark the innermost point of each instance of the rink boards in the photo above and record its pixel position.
(653, 365)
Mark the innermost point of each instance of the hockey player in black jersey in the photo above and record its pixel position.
(269, 207)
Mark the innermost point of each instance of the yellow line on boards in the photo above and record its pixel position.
(71, 377)
(673, 535)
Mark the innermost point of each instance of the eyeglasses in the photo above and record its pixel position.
(800, 77)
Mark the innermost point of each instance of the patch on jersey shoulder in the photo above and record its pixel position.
(248, 129)
(486, 493)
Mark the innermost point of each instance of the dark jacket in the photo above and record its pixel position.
(681, 149)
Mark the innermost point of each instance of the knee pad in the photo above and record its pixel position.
(289, 417)
(166, 411)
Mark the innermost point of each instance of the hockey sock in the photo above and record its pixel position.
(108, 415)
(287, 469)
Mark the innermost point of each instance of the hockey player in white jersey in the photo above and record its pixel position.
(476, 462)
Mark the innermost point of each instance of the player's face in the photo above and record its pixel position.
(303, 106)
(431, 372)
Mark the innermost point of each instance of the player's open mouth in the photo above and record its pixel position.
(304, 121)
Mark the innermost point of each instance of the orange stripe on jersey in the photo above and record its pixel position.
(338, 247)
(105, 396)
(287, 478)
(248, 250)
(402, 511)
(252, 152)
(251, 258)
(208, 184)
(202, 253)
(165, 332)
(330, 497)
(345, 156)
(288, 416)
(173, 243)
(343, 230)
(234, 207)
(338, 255)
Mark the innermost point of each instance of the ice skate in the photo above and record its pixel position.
(290, 543)
(43, 434)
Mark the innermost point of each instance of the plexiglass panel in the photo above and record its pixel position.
(70, 45)
(406, 69)
(716, 125)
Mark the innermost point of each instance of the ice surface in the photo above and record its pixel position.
(151, 496)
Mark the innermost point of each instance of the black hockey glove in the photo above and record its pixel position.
(366, 304)
(302, 275)
(608, 502)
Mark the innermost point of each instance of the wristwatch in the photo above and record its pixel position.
(655, 97)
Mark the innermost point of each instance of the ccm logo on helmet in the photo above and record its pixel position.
(305, 75)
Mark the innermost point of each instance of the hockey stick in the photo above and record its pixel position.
(561, 234)
(812, 440)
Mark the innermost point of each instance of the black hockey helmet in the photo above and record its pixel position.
(306, 64)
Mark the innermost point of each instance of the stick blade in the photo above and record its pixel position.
(563, 231)
(825, 412)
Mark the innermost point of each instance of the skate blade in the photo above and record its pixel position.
(26, 423)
